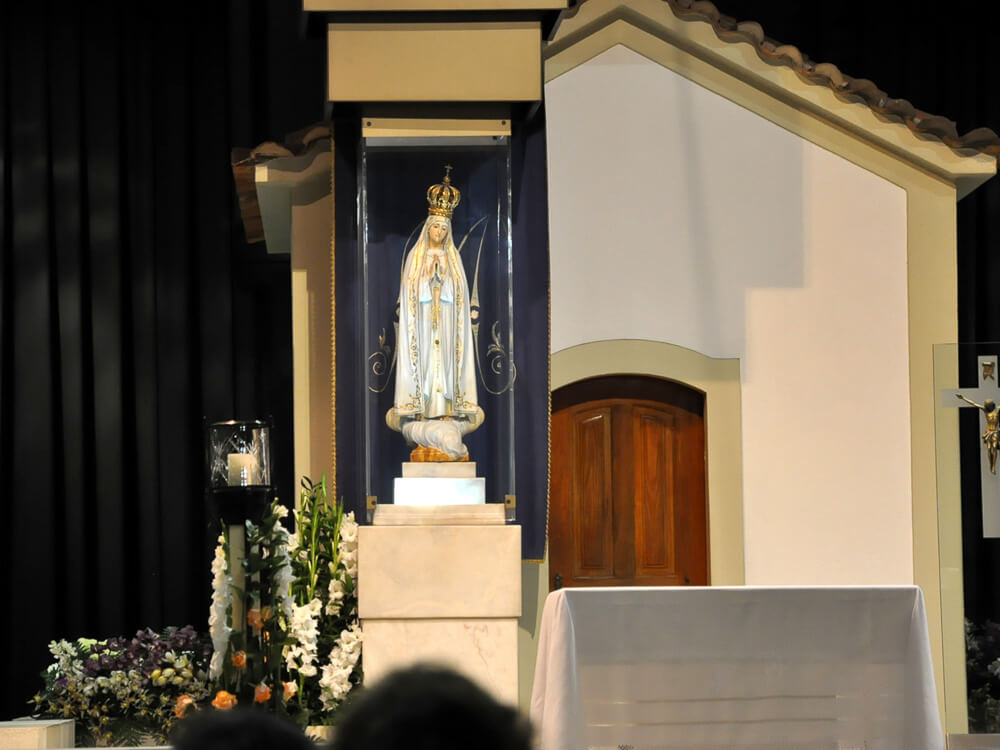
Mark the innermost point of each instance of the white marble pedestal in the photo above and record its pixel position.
(429, 483)
(29, 734)
(442, 585)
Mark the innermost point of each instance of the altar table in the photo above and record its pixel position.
(825, 668)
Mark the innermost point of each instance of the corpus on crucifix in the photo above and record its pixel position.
(991, 435)
(986, 398)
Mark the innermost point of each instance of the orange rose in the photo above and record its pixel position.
(290, 690)
(261, 693)
(184, 702)
(254, 620)
(257, 617)
(224, 701)
(240, 659)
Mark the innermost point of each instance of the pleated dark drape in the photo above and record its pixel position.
(131, 305)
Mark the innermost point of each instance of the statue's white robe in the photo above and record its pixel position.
(435, 367)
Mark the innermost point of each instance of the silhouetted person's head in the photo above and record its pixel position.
(238, 729)
(429, 708)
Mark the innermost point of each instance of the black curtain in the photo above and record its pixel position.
(131, 306)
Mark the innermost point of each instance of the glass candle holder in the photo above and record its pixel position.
(239, 454)
(238, 469)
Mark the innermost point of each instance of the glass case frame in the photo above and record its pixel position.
(394, 174)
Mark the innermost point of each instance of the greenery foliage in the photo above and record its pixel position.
(295, 650)
(982, 653)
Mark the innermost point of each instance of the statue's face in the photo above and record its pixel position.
(437, 231)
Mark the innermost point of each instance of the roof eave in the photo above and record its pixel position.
(597, 25)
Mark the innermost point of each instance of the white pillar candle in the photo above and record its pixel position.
(242, 470)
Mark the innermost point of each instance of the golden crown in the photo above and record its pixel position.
(443, 198)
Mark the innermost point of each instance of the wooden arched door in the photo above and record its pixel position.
(627, 504)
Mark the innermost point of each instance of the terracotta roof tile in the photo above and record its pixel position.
(863, 91)
(244, 162)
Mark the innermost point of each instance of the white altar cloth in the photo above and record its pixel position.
(826, 668)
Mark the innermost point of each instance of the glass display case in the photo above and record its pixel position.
(394, 177)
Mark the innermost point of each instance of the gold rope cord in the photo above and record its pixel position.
(332, 483)
(548, 419)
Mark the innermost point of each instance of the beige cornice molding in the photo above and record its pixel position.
(497, 61)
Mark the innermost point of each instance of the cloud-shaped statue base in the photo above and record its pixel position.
(444, 435)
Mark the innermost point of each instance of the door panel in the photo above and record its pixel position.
(590, 501)
(627, 495)
(653, 438)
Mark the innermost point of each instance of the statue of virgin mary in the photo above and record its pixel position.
(435, 403)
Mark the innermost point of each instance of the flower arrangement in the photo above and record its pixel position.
(124, 691)
(246, 659)
(982, 653)
(296, 651)
(324, 622)
(300, 650)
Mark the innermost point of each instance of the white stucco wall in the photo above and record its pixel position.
(678, 216)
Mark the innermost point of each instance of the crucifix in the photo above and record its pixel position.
(985, 398)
